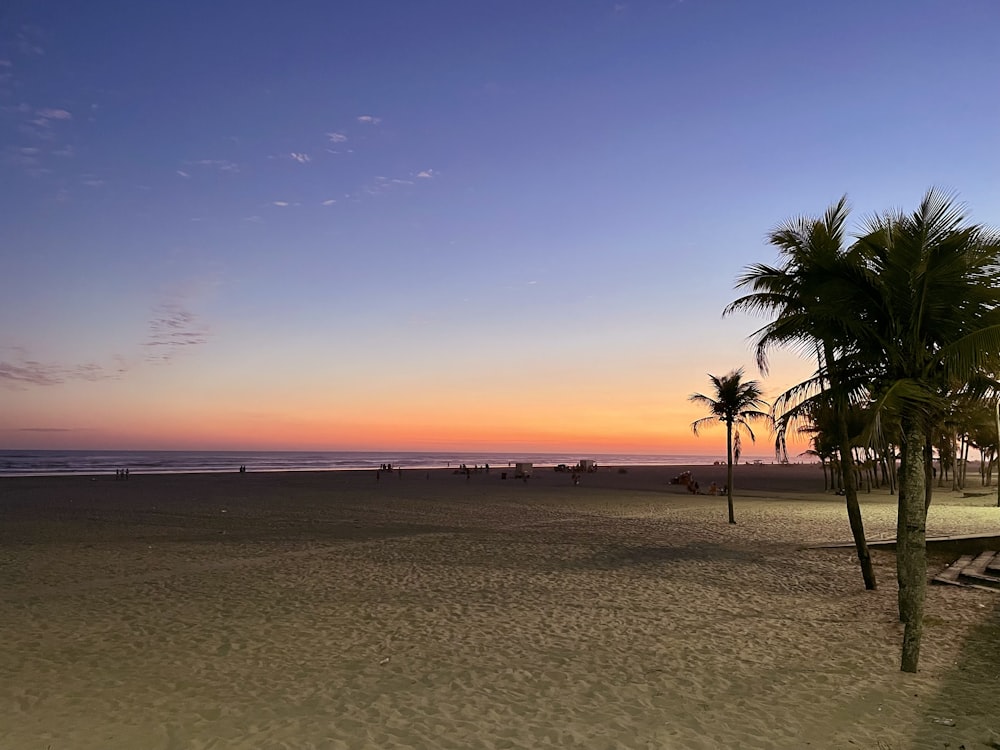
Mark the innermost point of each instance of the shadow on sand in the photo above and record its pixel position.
(964, 712)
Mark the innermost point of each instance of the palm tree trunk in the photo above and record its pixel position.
(928, 472)
(902, 578)
(893, 472)
(956, 453)
(911, 547)
(847, 471)
(729, 469)
(853, 507)
(998, 451)
(965, 460)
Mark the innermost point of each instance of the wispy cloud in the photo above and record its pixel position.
(336, 137)
(280, 204)
(183, 174)
(26, 157)
(39, 122)
(171, 329)
(381, 185)
(369, 120)
(32, 159)
(54, 114)
(26, 372)
(301, 158)
(223, 165)
(31, 373)
(29, 41)
(329, 201)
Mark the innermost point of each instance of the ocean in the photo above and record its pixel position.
(52, 462)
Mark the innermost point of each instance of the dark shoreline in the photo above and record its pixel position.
(800, 479)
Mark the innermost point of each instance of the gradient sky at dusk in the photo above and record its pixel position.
(454, 224)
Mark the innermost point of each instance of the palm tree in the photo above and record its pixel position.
(904, 317)
(737, 402)
(926, 317)
(806, 294)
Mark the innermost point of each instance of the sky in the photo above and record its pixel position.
(441, 225)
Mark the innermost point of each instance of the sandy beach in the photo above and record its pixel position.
(434, 610)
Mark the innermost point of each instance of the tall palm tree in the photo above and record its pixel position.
(927, 316)
(902, 318)
(806, 295)
(737, 403)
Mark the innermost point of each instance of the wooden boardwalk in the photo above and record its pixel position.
(980, 571)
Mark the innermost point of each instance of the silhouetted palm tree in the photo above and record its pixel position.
(806, 295)
(903, 320)
(928, 318)
(737, 402)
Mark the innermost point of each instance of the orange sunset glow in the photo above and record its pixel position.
(516, 236)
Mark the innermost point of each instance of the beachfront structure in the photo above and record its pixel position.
(588, 465)
(522, 470)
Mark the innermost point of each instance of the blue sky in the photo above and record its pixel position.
(384, 224)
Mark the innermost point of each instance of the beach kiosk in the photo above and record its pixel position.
(522, 470)
(588, 465)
